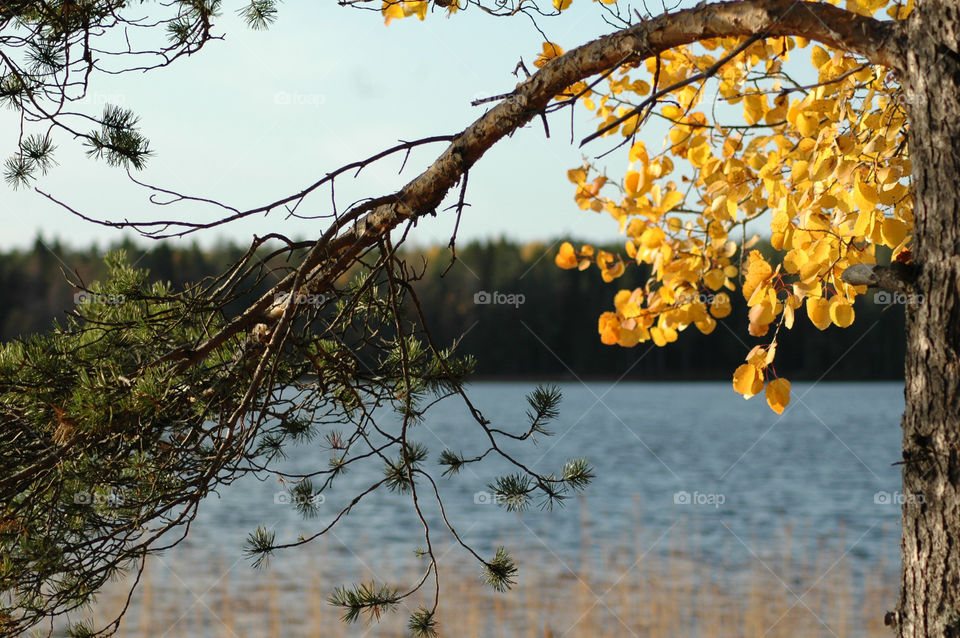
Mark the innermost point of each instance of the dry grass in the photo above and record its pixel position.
(622, 592)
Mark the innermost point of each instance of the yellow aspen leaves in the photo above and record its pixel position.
(663, 334)
(826, 166)
(818, 310)
(841, 312)
(587, 194)
(562, 5)
(820, 57)
(748, 380)
(893, 231)
(720, 307)
(393, 9)
(795, 260)
(808, 124)
(714, 279)
(566, 258)
(758, 272)
(549, 52)
(778, 395)
(865, 196)
(610, 265)
(609, 328)
(706, 325)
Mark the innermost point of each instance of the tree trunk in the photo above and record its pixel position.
(930, 588)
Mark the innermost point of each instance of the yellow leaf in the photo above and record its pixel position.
(652, 237)
(670, 200)
(672, 112)
(662, 335)
(841, 312)
(714, 279)
(794, 260)
(865, 196)
(799, 170)
(720, 306)
(894, 231)
(392, 11)
(747, 380)
(778, 395)
(639, 152)
(819, 56)
(566, 257)
(757, 357)
(609, 328)
(788, 316)
(550, 51)
(620, 299)
(866, 219)
(817, 311)
(808, 124)
(561, 5)
(754, 106)
(706, 325)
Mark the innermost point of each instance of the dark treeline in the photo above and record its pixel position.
(540, 321)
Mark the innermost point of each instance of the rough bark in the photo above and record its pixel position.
(930, 596)
(877, 41)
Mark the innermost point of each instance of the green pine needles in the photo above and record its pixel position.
(113, 429)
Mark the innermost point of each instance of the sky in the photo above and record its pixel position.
(261, 114)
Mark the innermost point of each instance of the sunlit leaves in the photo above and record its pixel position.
(778, 395)
(748, 380)
(396, 9)
(826, 164)
(549, 52)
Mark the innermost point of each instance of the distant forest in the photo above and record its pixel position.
(552, 334)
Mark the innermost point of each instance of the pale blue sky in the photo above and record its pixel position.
(222, 128)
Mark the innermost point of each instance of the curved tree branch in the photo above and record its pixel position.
(880, 42)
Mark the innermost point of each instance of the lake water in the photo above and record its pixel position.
(694, 456)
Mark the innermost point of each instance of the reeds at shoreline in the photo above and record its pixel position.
(612, 592)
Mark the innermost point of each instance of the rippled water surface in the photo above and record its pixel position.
(695, 457)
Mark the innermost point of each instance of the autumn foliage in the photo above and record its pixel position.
(816, 153)
(824, 163)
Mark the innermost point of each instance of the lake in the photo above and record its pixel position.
(739, 486)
